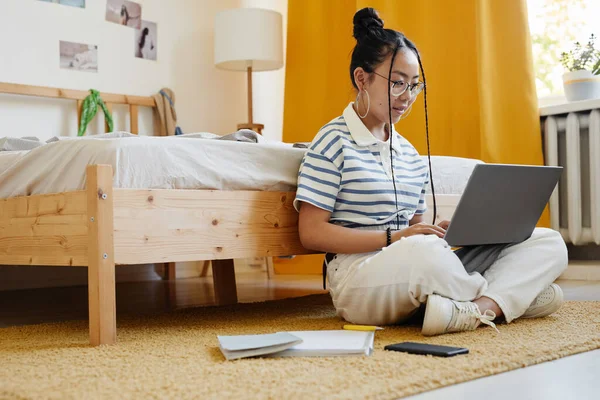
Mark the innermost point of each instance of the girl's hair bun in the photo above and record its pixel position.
(366, 23)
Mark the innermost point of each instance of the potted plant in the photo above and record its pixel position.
(582, 81)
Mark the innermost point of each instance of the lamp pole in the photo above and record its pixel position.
(251, 125)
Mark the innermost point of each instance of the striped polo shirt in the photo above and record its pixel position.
(347, 172)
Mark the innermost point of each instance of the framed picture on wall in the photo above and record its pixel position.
(146, 41)
(72, 3)
(124, 12)
(78, 56)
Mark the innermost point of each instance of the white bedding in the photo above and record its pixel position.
(176, 163)
(154, 162)
(8, 158)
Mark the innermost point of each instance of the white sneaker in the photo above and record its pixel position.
(443, 315)
(546, 303)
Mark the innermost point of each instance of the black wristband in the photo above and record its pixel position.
(388, 233)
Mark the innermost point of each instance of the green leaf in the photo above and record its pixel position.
(581, 57)
(596, 68)
(107, 115)
(88, 112)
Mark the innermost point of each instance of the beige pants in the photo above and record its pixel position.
(388, 286)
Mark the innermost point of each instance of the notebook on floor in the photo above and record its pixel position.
(298, 343)
(330, 343)
(242, 346)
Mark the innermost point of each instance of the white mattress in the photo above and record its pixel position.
(152, 163)
(176, 163)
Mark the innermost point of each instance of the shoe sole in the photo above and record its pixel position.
(561, 300)
(432, 327)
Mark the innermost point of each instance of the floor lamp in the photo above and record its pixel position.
(250, 40)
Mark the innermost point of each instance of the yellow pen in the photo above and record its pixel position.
(362, 328)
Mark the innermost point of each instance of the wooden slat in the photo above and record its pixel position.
(42, 91)
(157, 123)
(101, 268)
(44, 230)
(151, 226)
(224, 282)
(109, 107)
(133, 118)
(193, 225)
(79, 110)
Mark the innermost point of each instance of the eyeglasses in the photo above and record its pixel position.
(399, 87)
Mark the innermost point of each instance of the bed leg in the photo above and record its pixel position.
(224, 282)
(270, 268)
(169, 271)
(205, 265)
(171, 295)
(101, 260)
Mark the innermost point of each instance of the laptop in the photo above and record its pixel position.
(501, 204)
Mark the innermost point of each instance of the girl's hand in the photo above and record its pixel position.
(444, 224)
(419, 229)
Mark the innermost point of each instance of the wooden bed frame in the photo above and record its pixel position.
(103, 227)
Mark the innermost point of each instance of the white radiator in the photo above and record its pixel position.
(572, 140)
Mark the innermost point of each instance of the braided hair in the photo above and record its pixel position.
(374, 44)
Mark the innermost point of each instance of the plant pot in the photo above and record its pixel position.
(581, 85)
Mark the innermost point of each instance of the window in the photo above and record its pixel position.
(555, 26)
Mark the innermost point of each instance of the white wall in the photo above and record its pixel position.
(207, 99)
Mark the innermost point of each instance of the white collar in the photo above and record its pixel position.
(361, 135)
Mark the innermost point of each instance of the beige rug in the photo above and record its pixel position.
(176, 355)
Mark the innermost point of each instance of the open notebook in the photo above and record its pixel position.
(241, 346)
(298, 343)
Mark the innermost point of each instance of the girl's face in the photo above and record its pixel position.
(404, 71)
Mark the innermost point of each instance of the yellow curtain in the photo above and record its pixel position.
(476, 54)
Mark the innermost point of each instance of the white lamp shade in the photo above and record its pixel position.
(249, 37)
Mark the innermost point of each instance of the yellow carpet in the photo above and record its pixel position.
(176, 355)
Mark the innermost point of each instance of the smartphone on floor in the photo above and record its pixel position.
(425, 349)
